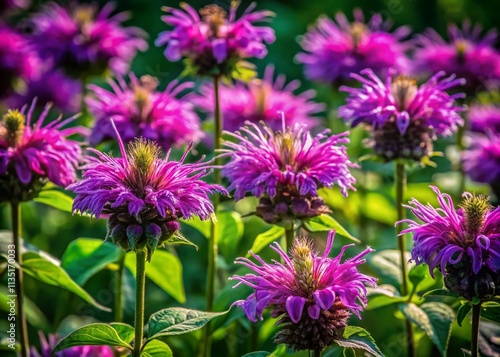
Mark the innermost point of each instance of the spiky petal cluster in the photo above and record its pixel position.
(467, 54)
(464, 244)
(412, 115)
(286, 168)
(212, 41)
(262, 100)
(48, 344)
(139, 110)
(31, 155)
(481, 161)
(335, 49)
(17, 60)
(307, 290)
(144, 194)
(485, 118)
(83, 40)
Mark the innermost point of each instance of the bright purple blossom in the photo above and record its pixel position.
(17, 60)
(211, 39)
(263, 100)
(305, 286)
(447, 235)
(139, 110)
(481, 161)
(335, 49)
(84, 41)
(484, 118)
(38, 152)
(48, 344)
(467, 54)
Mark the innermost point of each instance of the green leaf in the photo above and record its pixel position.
(434, 318)
(440, 292)
(33, 314)
(94, 334)
(387, 263)
(177, 321)
(56, 199)
(325, 222)
(86, 256)
(229, 232)
(201, 226)
(52, 274)
(491, 311)
(383, 295)
(165, 270)
(359, 338)
(266, 238)
(257, 354)
(125, 331)
(420, 278)
(462, 312)
(156, 348)
(378, 207)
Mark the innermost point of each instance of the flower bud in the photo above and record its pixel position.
(134, 234)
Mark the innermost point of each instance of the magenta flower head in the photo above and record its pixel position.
(262, 100)
(48, 344)
(139, 110)
(464, 244)
(213, 42)
(143, 194)
(335, 49)
(481, 161)
(467, 54)
(311, 294)
(32, 155)
(85, 41)
(403, 117)
(18, 63)
(484, 118)
(285, 169)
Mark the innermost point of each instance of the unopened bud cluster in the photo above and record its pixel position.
(461, 280)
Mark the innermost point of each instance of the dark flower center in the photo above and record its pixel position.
(461, 45)
(403, 90)
(214, 16)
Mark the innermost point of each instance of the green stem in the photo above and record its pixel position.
(290, 236)
(118, 288)
(317, 353)
(139, 301)
(400, 191)
(461, 147)
(476, 314)
(21, 315)
(212, 239)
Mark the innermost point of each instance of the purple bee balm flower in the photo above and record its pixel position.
(17, 60)
(464, 244)
(404, 118)
(31, 155)
(144, 194)
(85, 41)
(212, 41)
(11, 6)
(262, 100)
(481, 161)
(286, 168)
(313, 295)
(48, 344)
(467, 54)
(335, 49)
(484, 118)
(139, 110)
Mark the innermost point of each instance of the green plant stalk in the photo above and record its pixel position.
(400, 191)
(140, 293)
(21, 314)
(461, 147)
(290, 236)
(476, 314)
(212, 239)
(118, 288)
(317, 353)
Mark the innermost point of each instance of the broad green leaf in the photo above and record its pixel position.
(359, 338)
(229, 233)
(383, 295)
(156, 348)
(378, 207)
(177, 321)
(86, 256)
(325, 222)
(264, 239)
(434, 318)
(34, 315)
(440, 292)
(165, 270)
(462, 312)
(52, 274)
(125, 331)
(56, 199)
(201, 226)
(94, 334)
(420, 278)
(387, 263)
(257, 354)
(491, 311)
